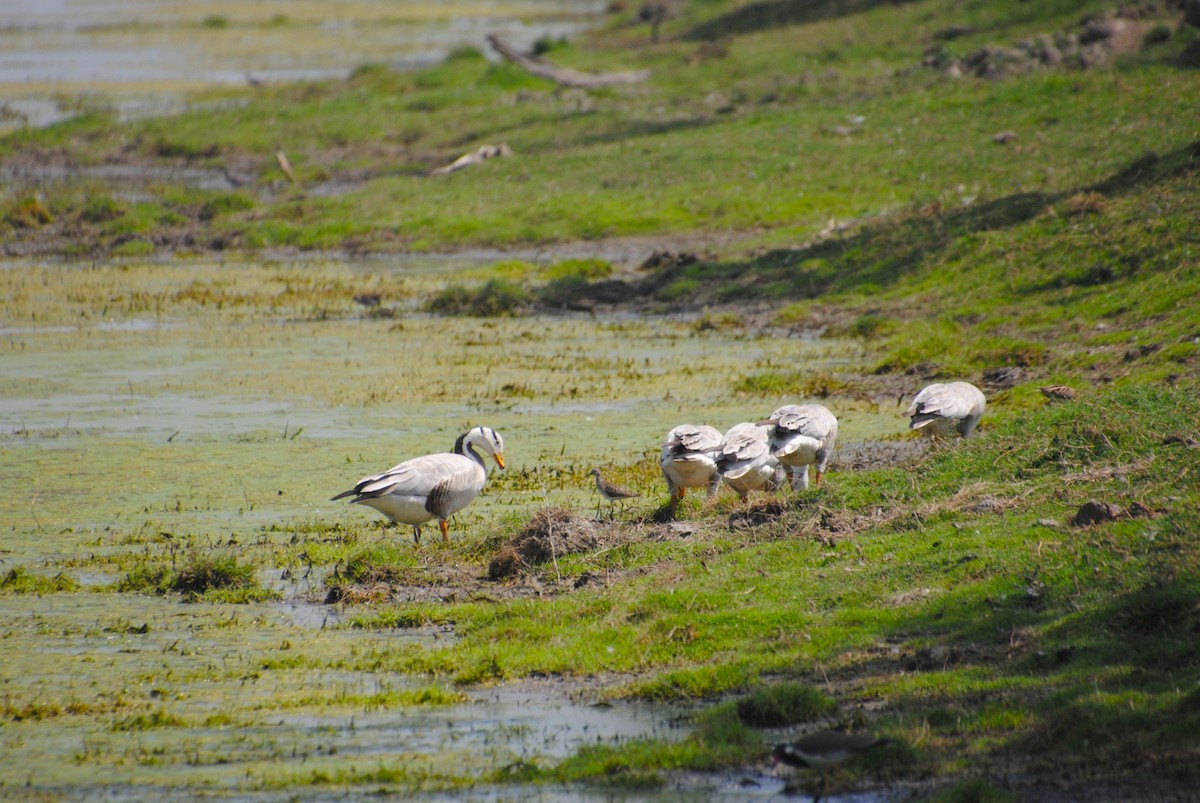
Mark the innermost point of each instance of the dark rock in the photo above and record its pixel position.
(1140, 511)
(1002, 377)
(1191, 12)
(1190, 57)
(1050, 56)
(1094, 512)
(1100, 31)
(952, 32)
(666, 259)
(1185, 440)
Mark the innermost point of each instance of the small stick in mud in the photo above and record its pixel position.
(286, 166)
(475, 157)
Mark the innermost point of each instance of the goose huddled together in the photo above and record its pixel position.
(777, 451)
(940, 411)
(751, 456)
(765, 455)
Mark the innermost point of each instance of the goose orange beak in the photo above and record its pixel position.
(499, 457)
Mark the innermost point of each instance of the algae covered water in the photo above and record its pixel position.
(138, 56)
(150, 412)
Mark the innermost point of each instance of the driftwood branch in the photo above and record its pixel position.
(285, 166)
(474, 157)
(563, 75)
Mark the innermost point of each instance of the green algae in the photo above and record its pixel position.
(169, 426)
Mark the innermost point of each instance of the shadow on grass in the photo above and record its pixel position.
(881, 254)
(636, 129)
(780, 13)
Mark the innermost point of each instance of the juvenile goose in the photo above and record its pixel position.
(803, 435)
(689, 460)
(746, 463)
(940, 410)
(431, 486)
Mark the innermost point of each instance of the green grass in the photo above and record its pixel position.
(745, 142)
(950, 604)
(20, 580)
(959, 592)
(203, 576)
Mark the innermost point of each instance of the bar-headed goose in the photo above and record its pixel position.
(746, 463)
(942, 410)
(689, 460)
(431, 486)
(803, 435)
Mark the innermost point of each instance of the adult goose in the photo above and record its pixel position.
(803, 435)
(431, 486)
(746, 463)
(689, 460)
(940, 410)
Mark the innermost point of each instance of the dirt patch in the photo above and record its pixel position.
(552, 531)
(1090, 45)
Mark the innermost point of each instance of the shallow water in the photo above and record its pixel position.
(139, 56)
(146, 407)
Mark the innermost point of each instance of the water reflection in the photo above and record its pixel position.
(136, 56)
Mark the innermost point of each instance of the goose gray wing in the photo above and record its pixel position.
(957, 400)
(692, 438)
(745, 442)
(416, 477)
(813, 420)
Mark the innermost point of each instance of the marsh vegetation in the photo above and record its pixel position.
(812, 206)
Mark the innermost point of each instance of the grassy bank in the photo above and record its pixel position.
(764, 134)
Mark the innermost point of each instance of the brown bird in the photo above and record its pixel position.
(824, 749)
(1058, 392)
(611, 492)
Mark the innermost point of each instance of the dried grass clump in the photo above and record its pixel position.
(552, 531)
(1085, 203)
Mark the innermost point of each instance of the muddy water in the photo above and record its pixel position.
(140, 55)
(145, 406)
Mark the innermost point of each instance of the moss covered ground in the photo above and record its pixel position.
(858, 173)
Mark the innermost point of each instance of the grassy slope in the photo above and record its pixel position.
(940, 600)
(735, 136)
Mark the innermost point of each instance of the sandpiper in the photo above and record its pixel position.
(824, 749)
(611, 492)
(1058, 392)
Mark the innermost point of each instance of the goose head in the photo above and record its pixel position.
(486, 439)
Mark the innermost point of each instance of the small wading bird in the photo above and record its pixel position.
(431, 486)
(822, 750)
(689, 460)
(745, 460)
(1058, 392)
(610, 492)
(803, 435)
(941, 410)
